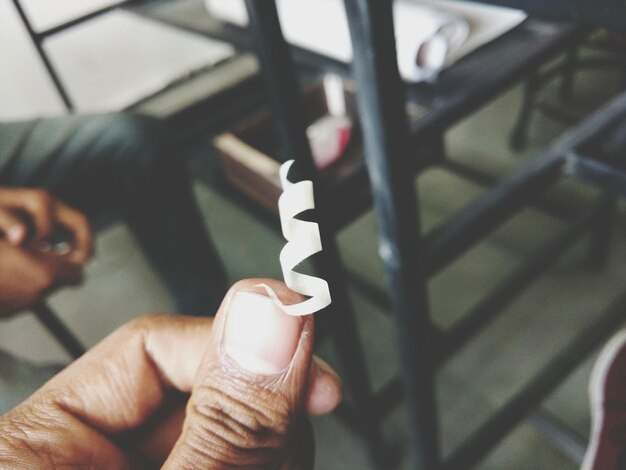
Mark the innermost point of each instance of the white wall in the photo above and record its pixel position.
(105, 64)
(25, 88)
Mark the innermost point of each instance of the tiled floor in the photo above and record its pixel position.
(120, 285)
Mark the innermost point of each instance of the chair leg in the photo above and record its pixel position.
(600, 243)
(437, 148)
(283, 89)
(350, 352)
(566, 88)
(57, 328)
(520, 130)
(622, 83)
(416, 343)
(342, 324)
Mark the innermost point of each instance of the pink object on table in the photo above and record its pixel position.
(328, 138)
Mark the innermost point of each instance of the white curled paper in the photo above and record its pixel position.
(303, 240)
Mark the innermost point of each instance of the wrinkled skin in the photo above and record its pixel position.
(162, 390)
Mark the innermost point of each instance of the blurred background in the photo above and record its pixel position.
(176, 61)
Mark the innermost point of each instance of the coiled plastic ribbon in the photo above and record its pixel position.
(303, 241)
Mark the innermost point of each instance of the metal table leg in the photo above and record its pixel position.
(385, 132)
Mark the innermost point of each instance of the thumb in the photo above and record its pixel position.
(246, 407)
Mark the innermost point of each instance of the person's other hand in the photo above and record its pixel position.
(125, 404)
(27, 275)
(46, 214)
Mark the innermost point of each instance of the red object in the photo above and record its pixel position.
(328, 138)
(607, 393)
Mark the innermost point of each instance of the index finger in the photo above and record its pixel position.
(134, 368)
(35, 203)
(121, 384)
(138, 366)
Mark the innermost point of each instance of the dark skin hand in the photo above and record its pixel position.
(27, 275)
(29, 217)
(183, 392)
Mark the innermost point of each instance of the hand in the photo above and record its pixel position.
(125, 404)
(46, 215)
(27, 275)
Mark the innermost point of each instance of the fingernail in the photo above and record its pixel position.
(14, 234)
(324, 367)
(258, 335)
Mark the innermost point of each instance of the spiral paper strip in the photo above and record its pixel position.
(303, 240)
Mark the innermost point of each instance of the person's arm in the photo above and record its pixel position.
(183, 392)
(28, 219)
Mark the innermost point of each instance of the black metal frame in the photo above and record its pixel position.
(57, 328)
(282, 85)
(565, 71)
(386, 140)
(378, 81)
(536, 81)
(411, 258)
(610, 15)
(463, 231)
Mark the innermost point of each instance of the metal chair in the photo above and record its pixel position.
(611, 58)
(410, 256)
(410, 259)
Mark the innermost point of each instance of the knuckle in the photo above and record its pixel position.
(14, 439)
(25, 425)
(141, 326)
(43, 279)
(39, 195)
(82, 219)
(144, 322)
(37, 198)
(232, 428)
